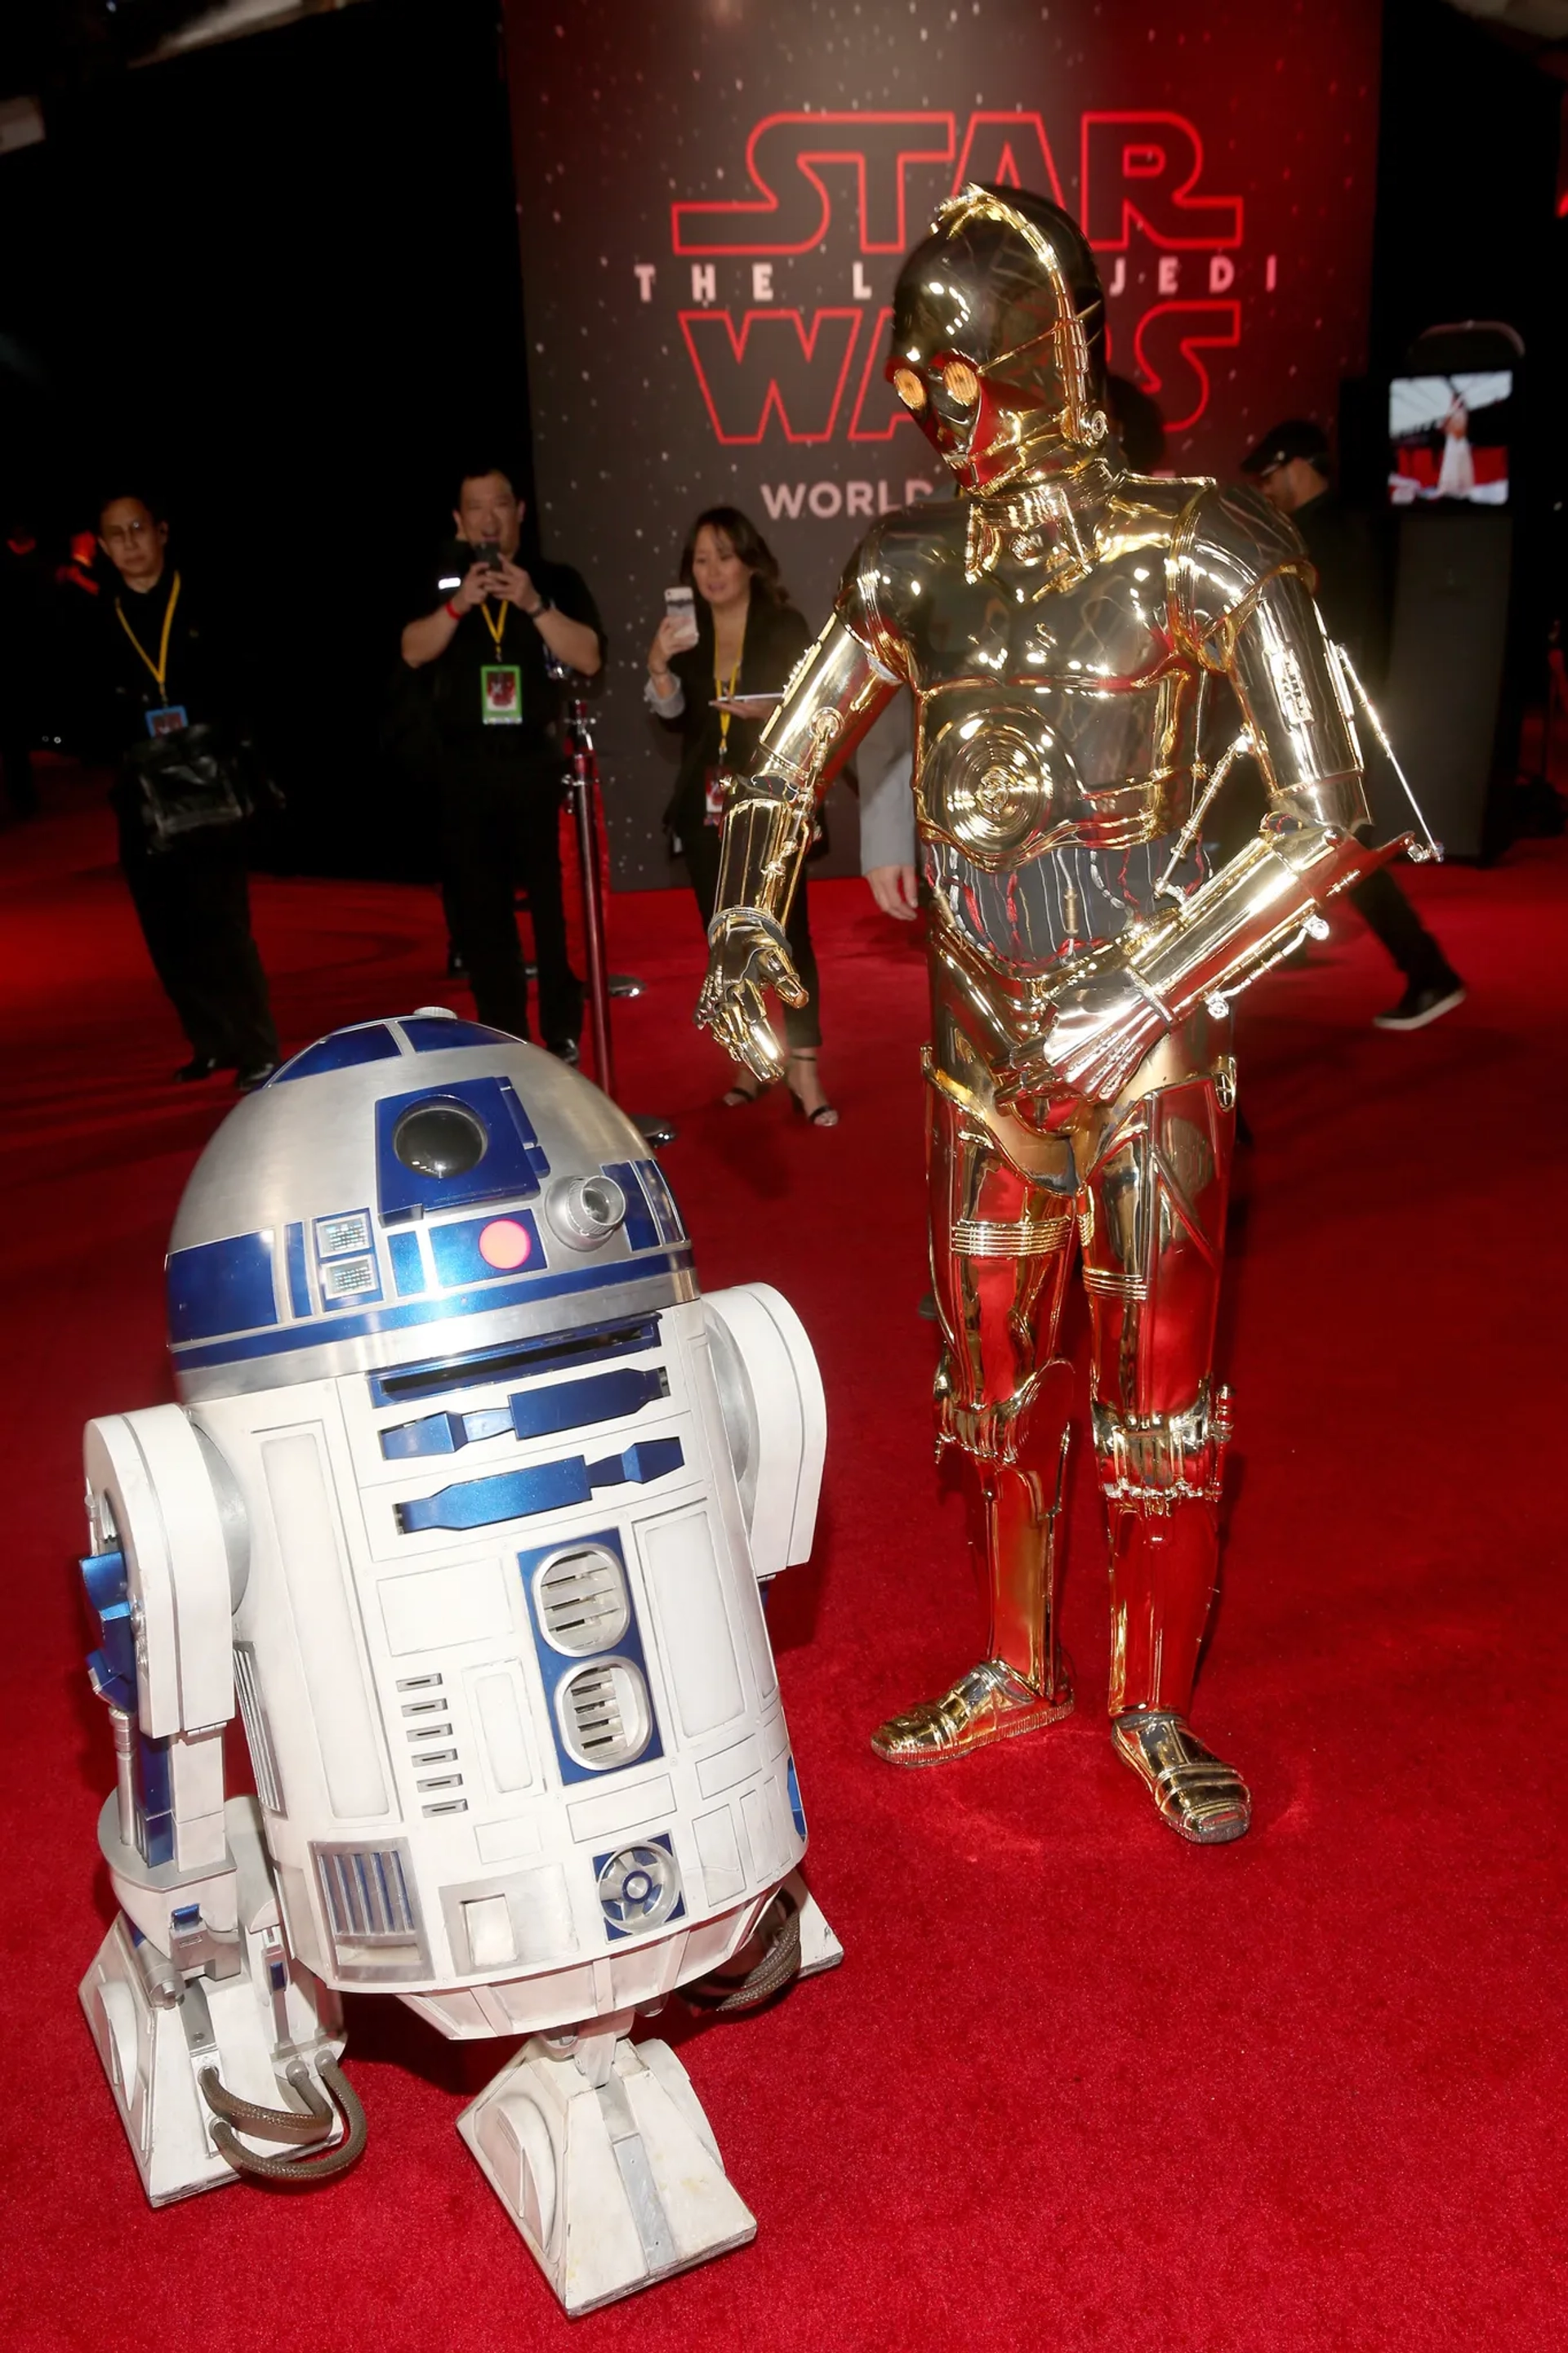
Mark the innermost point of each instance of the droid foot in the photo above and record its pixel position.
(990, 1703)
(603, 2157)
(1204, 1800)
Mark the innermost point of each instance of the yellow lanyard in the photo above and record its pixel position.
(720, 688)
(496, 628)
(160, 669)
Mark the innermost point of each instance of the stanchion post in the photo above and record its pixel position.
(581, 793)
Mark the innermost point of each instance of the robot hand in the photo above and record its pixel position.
(1102, 1028)
(749, 953)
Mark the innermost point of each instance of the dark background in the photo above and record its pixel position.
(282, 276)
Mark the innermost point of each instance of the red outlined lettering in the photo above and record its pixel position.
(1166, 347)
(1008, 150)
(793, 212)
(772, 366)
(878, 411)
(1141, 169)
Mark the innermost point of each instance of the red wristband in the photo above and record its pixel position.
(453, 610)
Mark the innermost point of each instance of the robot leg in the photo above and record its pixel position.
(1154, 1229)
(1001, 1249)
(221, 2052)
(601, 2153)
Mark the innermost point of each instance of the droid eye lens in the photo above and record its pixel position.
(959, 382)
(909, 388)
(440, 1140)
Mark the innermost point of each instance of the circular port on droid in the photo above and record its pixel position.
(439, 1139)
(585, 1212)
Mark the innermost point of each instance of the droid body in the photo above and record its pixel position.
(465, 1510)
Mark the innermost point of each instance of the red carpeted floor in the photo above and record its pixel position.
(1076, 2085)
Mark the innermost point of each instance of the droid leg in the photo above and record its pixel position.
(220, 2048)
(604, 2159)
(1154, 1229)
(1001, 1246)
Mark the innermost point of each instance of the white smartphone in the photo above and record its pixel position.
(680, 607)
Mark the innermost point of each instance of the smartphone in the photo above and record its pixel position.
(490, 554)
(680, 607)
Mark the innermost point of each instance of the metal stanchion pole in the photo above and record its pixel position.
(581, 797)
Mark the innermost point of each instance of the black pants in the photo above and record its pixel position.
(1389, 915)
(803, 1024)
(193, 902)
(500, 828)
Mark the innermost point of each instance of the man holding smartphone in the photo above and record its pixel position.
(487, 647)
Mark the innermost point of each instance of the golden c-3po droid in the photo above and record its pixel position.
(1058, 625)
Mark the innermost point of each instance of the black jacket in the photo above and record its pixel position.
(776, 636)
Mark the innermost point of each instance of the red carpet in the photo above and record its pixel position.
(1076, 2085)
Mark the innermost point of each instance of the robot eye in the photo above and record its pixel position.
(439, 1139)
(909, 388)
(959, 382)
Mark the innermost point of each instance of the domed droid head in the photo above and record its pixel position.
(998, 338)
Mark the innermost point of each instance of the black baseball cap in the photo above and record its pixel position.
(1297, 438)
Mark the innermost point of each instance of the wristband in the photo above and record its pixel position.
(453, 610)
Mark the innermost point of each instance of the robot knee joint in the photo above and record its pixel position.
(1149, 1463)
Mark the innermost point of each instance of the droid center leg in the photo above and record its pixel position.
(1001, 1249)
(1153, 1235)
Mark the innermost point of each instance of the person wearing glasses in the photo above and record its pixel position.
(179, 796)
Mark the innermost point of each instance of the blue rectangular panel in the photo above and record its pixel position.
(455, 1251)
(219, 1287)
(345, 1049)
(555, 1665)
(407, 1266)
(641, 1231)
(661, 1200)
(299, 1281)
(508, 1167)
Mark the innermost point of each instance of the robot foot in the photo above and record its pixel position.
(1202, 1800)
(991, 1702)
(603, 2157)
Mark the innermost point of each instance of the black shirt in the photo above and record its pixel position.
(456, 685)
(198, 678)
(1352, 596)
(776, 636)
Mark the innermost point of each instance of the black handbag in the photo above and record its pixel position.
(191, 783)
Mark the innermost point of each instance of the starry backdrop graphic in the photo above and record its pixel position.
(714, 198)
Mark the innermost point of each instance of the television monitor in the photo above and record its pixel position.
(1450, 437)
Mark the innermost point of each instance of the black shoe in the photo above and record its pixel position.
(1427, 1001)
(199, 1067)
(247, 1082)
(565, 1050)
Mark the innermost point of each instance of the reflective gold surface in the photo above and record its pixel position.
(1057, 628)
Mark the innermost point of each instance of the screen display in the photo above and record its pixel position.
(1450, 437)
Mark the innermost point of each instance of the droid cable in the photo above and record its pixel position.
(286, 2124)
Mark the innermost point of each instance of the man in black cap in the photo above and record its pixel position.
(1290, 466)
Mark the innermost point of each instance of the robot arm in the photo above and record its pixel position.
(1241, 603)
(167, 1569)
(838, 689)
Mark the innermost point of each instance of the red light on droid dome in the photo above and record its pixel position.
(504, 1243)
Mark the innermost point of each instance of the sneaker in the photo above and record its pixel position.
(565, 1050)
(1424, 1002)
(247, 1082)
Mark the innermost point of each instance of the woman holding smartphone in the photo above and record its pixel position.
(745, 637)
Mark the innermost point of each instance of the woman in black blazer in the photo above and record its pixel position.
(748, 639)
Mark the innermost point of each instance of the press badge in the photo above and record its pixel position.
(715, 793)
(167, 721)
(501, 694)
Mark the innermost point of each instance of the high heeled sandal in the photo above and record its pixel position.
(735, 1096)
(825, 1115)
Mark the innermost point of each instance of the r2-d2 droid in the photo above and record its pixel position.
(468, 1502)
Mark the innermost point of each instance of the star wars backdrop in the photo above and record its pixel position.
(715, 195)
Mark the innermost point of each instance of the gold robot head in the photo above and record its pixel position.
(998, 338)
